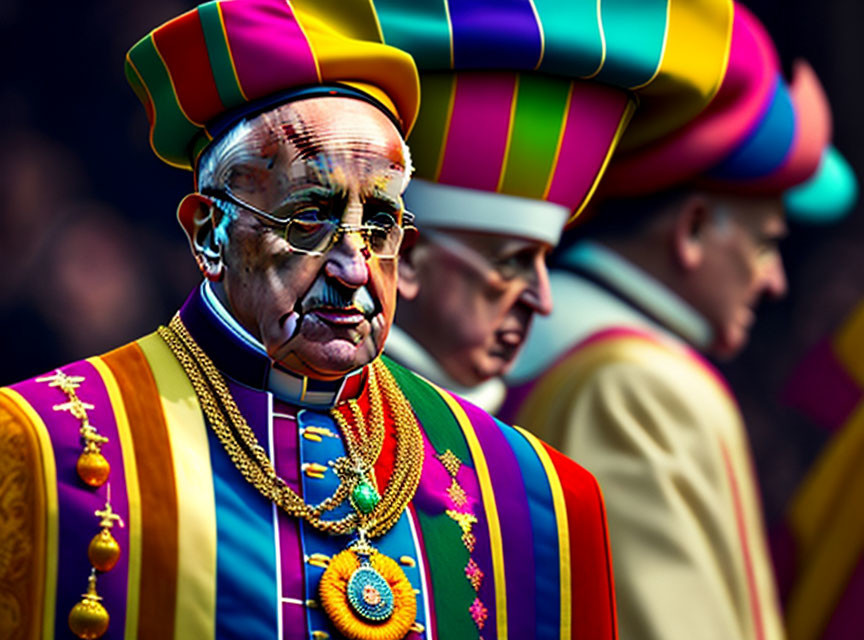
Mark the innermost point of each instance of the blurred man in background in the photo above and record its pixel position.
(504, 160)
(683, 247)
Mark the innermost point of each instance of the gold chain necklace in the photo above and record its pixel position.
(251, 459)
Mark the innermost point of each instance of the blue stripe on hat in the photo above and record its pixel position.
(766, 147)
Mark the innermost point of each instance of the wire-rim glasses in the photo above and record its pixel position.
(382, 234)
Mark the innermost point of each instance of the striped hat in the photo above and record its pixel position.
(204, 70)
(759, 135)
(523, 101)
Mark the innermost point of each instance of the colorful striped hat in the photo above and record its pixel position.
(528, 98)
(759, 135)
(204, 70)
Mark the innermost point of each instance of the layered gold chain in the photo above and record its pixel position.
(363, 445)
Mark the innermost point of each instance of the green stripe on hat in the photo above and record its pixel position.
(536, 129)
(173, 123)
(134, 81)
(421, 28)
(220, 57)
(429, 136)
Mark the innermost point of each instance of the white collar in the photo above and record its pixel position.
(285, 385)
(642, 289)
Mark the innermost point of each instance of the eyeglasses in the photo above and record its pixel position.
(500, 273)
(309, 234)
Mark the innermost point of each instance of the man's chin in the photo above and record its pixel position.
(327, 360)
(727, 347)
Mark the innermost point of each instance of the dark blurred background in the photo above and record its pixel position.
(91, 255)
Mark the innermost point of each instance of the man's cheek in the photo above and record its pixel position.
(383, 275)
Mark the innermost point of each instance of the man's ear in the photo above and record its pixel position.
(409, 282)
(199, 218)
(691, 222)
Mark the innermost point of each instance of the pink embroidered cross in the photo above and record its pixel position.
(474, 574)
(479, 613)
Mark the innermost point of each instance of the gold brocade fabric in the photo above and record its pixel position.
(21, 526)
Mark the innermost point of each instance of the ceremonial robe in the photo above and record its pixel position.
(504, 538)
(612, 379)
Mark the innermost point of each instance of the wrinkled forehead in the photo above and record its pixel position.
(320, 140)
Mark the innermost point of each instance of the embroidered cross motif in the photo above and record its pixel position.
(474, 574)
(67, 384)
(107, 515)
(479, 613)
(457, 494)
(450, 462)
(464, 520)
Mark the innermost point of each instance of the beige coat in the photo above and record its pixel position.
(659, 429)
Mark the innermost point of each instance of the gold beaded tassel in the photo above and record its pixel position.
(89, 619)
(92, 466)
(104, 551)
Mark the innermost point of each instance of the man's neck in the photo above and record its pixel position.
(239, 355)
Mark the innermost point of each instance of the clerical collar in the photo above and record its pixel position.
(241, 357)
(405, 350)
(639, 289)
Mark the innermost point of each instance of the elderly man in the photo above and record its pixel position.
(504, 160)
(615, 377)
(254, 469)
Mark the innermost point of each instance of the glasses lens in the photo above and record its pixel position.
(383, 235)
(383, 242)
(310, 235)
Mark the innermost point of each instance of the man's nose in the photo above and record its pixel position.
(347, 260)
(775, 283)
(537, 293)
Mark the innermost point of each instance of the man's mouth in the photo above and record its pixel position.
(513, 339)
(334, 305)
(344, 316)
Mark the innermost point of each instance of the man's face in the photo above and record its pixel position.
(323, 158)
(476, 296)
(742, 264)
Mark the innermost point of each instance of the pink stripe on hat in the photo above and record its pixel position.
(479, 131)
(250, 28)
(595, 116)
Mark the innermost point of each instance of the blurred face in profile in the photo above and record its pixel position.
(468, 298)
(309, 261)
(740, 265)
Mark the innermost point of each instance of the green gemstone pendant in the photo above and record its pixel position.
(364, 497)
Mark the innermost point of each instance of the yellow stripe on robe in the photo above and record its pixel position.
(560, 506)
(133, 495)
(196, 504)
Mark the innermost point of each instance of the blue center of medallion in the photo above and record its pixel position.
(369, 594)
